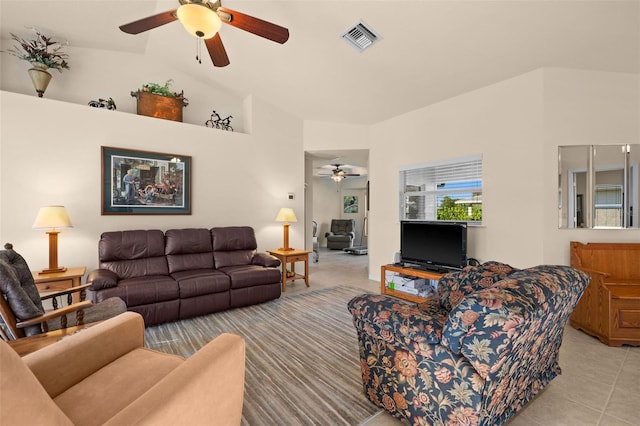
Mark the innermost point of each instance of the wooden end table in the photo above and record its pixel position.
(292, 256)
(57, 281)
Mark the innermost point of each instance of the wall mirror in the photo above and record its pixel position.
(598, 186)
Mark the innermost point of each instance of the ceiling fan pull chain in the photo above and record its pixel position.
(199, 50)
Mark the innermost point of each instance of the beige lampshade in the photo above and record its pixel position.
(199, 20)
(286, 214)
(52, 217)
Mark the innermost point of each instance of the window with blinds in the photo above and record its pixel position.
(443, 191)
(608, 204)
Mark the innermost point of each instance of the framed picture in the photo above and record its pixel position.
(144, 182)
(351, 204)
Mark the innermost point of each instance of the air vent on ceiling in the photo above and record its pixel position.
(361, 36)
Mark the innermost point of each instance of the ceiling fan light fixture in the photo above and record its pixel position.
(199, 20)
(337, 178)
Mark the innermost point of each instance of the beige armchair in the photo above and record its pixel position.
(104, 376)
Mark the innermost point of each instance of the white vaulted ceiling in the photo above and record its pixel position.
(430, 50)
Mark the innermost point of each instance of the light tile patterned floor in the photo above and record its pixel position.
(599, 385)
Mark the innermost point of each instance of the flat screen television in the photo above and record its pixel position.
(433, 245)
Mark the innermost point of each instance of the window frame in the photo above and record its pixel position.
(427, 178)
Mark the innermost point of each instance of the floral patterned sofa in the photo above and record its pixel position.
(474, 355)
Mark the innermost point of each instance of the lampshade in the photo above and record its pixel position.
(199, 20)
(286, 214)
(52, 217)
(337, 178)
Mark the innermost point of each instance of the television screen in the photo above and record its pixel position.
(437, 245)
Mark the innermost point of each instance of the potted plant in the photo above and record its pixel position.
(158, 100)
(43, 53)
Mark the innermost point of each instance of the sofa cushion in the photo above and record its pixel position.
(201, 281)
(340, 238)
(233, 245)
(388, 318)
(251, 275)
(143, 290)
(230, 238)
(454, 286)
(110, 389)
(189, 249)
(233, 258)
(133, 253)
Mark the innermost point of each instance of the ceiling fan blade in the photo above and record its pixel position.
(150, 22)
(217, 51)
(256, 26)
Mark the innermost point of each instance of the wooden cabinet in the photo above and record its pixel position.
(609, 308)
(418, 273)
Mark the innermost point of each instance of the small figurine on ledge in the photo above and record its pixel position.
(219, 122)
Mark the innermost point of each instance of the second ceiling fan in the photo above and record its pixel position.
(203, 19)
(337, 174)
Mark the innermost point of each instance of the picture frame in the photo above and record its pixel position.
(144, 182)
(350, 203)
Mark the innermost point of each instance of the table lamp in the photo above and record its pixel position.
(52, 217)
(286, 215)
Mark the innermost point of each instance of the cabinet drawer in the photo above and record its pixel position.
(54, 286)
(300, 258)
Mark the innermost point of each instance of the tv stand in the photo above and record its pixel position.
(411, 271)
(427, 268)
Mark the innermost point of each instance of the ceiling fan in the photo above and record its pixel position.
(337, 174)
(203, 19)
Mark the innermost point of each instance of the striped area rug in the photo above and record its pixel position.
(302, 364)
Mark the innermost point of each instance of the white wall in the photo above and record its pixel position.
(98, 74)
(50, 154)
(321, 135)
(584, 108)
(517, 126)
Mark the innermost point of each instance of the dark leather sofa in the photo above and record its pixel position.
(183, 273)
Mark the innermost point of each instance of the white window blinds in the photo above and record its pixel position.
(446, 190)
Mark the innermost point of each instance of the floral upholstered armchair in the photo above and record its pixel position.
(474, 355)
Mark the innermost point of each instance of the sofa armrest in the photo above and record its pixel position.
(391, 318)
(72, 359)
(266, 260)
(102, 278)
(208, 388)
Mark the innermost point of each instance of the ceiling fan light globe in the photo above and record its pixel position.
(198, 20)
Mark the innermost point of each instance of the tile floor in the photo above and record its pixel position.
(599, 385)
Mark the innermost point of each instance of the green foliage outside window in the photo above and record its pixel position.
(449, 210)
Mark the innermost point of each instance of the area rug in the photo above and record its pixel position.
(302, 365)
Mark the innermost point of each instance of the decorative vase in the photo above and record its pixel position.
(40, 77)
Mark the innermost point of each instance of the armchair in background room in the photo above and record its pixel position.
(342, 234)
